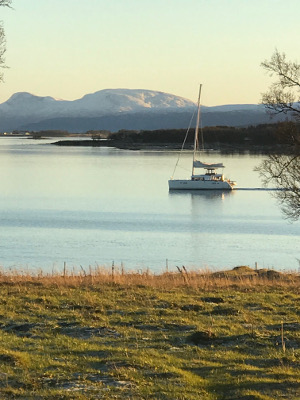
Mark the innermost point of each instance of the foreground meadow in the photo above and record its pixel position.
(184, 335)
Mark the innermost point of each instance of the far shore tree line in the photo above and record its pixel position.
(277, 134)
(260, 135)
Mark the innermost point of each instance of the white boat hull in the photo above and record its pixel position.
(185, 184)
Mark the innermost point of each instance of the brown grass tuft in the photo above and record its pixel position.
(238, 278)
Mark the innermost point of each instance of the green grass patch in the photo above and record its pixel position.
(114, 340)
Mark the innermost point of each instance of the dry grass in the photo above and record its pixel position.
(242, 277)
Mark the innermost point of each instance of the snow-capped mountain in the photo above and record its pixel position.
(103, 102)
(25, 111)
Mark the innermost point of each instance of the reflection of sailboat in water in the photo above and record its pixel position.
(211, 180)
(204, 194)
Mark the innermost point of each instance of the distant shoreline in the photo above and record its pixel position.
(124, 145)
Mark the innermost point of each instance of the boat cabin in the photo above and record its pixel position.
(210, 175)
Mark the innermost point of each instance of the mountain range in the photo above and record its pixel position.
(115, 109)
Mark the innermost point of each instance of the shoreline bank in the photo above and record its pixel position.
(172, 146)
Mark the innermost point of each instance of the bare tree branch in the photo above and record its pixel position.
(284, 94)
(5, 3)
(2, 49)
(288, 72)
(283, 170)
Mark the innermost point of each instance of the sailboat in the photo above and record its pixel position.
(211, 179)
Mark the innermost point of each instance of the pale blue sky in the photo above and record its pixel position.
(68, 48)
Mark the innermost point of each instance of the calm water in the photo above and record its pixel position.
(86, 206)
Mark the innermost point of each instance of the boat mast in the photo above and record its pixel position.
(197, 129)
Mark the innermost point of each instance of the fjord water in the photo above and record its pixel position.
(94, 206)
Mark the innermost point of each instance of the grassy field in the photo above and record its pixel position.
(187, 335)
